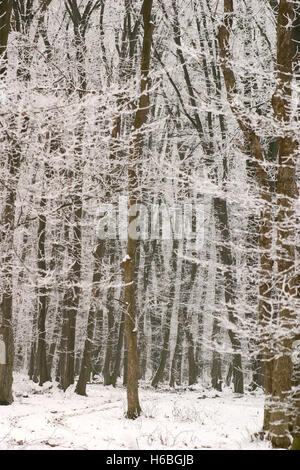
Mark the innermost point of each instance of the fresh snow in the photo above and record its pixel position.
(45, 418)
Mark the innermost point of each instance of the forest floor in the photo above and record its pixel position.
(46, 418)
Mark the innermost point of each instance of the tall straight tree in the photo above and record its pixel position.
(287, 192)
(133, 405)
(7, 232)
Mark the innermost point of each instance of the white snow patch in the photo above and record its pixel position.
(45, 417)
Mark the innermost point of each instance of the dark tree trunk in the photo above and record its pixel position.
(6, 236)
(257, 366)
(109, 338)
(118, 355)
(216, 370)
(5, 19)
(66, 370)
(226, 258)
(296, 404)
(85, 369)
(192, 377)
(156, 321)
(54, 339)
(33, 349)
(149, 254)
(41, 355)
(134, 408)
(158, 377)
(176, 364)
(287, 193)
(86, 364)
(98, 343)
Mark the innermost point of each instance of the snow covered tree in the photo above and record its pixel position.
(12, 156)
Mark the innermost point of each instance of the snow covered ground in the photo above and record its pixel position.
(45, 418)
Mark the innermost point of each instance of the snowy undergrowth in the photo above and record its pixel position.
(45, 418)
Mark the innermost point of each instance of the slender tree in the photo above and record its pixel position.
(7, 231)
(134, 409)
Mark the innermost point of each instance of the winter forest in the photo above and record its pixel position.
(149, 224)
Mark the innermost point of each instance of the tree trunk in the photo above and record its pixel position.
(5, 17)
(167, 323)
(287, 193)
(117, 365)
(98, 343)
(216, 371)
(6, 237)
(85, 369)
(71, 303)
(133, 405)
(110, 337)
(41, 354)
(86, 366)
(226, 258)
(149, 254)
(296, 403)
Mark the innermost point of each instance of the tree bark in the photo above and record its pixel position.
(41, 354)
(287, 193)
(133, 406)
(5, 20)
(6, 234)
(216, 369)
(167, 323)
(86, 366)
